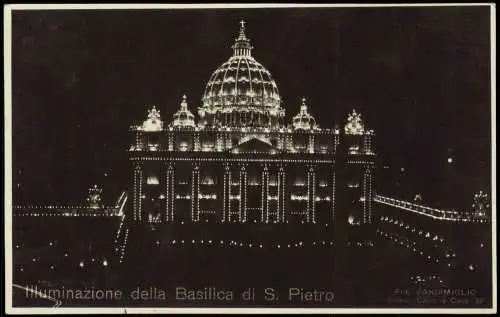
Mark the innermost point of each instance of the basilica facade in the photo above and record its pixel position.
(240, 161)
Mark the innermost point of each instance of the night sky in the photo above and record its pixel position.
(419, 76)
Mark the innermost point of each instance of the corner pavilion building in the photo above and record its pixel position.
(239, 161)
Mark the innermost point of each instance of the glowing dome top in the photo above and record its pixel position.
(241, 92)
(153, 122)
(303, 120)
(183, 117)
(354, 124)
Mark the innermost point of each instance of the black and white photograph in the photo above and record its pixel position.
(252, 157)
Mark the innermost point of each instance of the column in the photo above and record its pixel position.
(367, 195)
(226, 202)
(169, 192)
(311, 143)
(281, 194)
(218, 144)
(334, 179)
(336, 141)
(365, 147)
(163, 193)
(287, 190)
(196, 141)
(138, 143)
(289, 142)
(195, 193)
(311, 195)
(264, 194)
(138, 179)
(170, 141)
(243, 194)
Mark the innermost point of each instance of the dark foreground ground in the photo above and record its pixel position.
(163, 268)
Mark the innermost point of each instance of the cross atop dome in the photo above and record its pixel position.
(242, 35)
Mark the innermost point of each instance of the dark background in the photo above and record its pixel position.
(420, 77)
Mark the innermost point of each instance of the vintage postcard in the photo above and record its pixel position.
(250, 158)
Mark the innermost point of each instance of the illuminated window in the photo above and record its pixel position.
(152, 180)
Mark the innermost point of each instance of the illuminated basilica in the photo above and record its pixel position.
(239, 161)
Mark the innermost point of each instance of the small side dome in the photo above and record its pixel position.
(354, 125)
(183, 117)
(303, 120)
(153, 123)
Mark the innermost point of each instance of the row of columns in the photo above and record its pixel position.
(270, 211)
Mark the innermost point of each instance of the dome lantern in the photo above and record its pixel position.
(242, 46)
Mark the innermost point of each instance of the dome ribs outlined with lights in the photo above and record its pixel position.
(241, 85)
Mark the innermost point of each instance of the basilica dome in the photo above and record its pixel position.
(241, 92)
